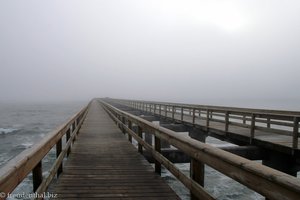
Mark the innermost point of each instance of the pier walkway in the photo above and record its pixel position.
(104, 165)
(96, 157)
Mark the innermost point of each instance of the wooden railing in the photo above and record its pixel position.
(30, 160)
(268, 182)
(273, 121)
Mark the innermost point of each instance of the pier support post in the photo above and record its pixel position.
(282, 162)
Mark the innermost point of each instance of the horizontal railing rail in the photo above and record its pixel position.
(272, 121)
(268, 182)
(30, 160)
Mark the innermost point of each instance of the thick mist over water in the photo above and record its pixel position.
(243, 53)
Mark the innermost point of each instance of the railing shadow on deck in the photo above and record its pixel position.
(30, 160)
(268, 182)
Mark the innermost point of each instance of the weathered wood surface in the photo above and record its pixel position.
(104, 165)
(269, 182)
(274, 129)
(259, 135)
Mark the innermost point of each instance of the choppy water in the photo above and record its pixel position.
(21, 125)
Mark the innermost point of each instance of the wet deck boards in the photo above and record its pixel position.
(104, 165)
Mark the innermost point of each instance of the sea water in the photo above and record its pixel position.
(22, 125)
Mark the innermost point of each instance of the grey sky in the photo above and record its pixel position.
(158, 50)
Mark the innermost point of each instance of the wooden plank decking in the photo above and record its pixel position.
(104, 165)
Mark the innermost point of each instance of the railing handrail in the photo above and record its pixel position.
(285, 113)
(282, 123)
(15, 170)
(272, 183)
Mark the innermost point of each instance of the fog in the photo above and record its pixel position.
(205, 51)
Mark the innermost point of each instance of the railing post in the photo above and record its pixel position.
(73, 129)
(252, 128)
(244, 119)
(157, 147)
(140, 134)
(182, 114)
(226, 121)
(194, 116)
(173, 112)
(154, 109)
(67, 139)
(130, 127)
(295, 132)
(166, 111)
(58, 151)
(207, 118)
(268, 122)
(197, 173)
(37, 176)
(123, 124)
(159, 109)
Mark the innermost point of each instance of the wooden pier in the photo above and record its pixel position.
(96, 158)
(104, 165)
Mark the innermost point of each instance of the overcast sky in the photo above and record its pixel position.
(197, 51)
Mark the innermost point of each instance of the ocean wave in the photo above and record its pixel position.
(7, 130)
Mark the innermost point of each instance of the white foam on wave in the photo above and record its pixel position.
(7, 130)
(27, 144)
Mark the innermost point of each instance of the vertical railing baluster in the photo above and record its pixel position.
(295, 132)
(37, 176)
(194, 115)
(130, 127)
(160, 110)
(244, 119)
(58, 151)
(173, 112)
(181, 118)
(74, 126)
(140, 134)
(268, 122)
(226, 121)
(68, 133)
(252, 128)
(166, 111)
(207, 118)
(197, 172)
(157, 147)
(123, 124)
